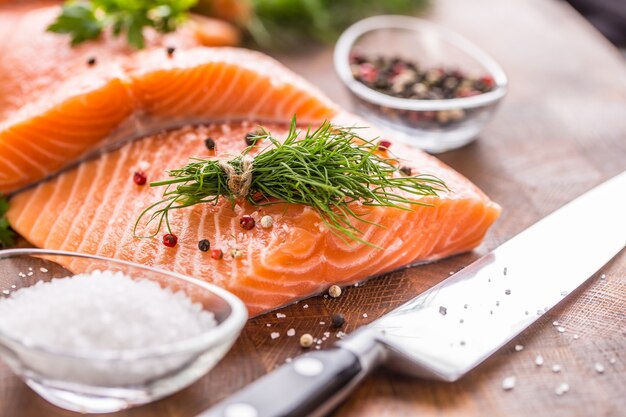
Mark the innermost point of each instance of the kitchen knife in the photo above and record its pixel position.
(451, 328)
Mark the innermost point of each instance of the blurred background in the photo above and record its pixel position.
(286, 24)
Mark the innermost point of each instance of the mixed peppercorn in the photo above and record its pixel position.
(401, 78)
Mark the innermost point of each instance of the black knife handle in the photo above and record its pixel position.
(298, 389)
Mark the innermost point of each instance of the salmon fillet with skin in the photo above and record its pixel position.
(55, 109)
(93, 208)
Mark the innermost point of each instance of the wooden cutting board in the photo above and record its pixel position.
(560, 131)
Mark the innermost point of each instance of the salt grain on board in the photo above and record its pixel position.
(556, 368)
(562, 388)
(599, 368)
(539, 360)
(280, 315)
(508, 383)
(275, 335)
(291, 332)
(519, 348)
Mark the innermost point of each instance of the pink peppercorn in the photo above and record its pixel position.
(170, 240)
(247, 222)
(140, 178)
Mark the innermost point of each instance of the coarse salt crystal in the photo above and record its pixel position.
(365, 315)
(305, 306)
(30, 274)
(322, 323)
(556, 368)
(555, 323)
(291, 332)
(612, 361)
(576, 337)
(44, 270)
(280, 315)
(561, 329)
(269, 325)
(508, 383)
(599, 368)
(519, 348)
(6, 292)
(562, 388)
(275, 335)
(539, 360)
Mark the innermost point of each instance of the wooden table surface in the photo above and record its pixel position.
(560, 131)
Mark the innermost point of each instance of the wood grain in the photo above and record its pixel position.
(560, 131)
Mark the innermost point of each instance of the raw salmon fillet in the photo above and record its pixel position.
(55, 109)
(93, 208)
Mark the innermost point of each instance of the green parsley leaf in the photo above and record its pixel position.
(79, 21)
(85, 20)
(7, 236)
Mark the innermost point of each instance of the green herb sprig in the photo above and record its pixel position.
(327, 169)
(7, 236)
(85, 20)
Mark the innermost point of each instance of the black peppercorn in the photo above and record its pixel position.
(210, 144)
(204, 245)
(170, 51)
(406, 170)
(337, 320)
(91, 61)
(251, 138)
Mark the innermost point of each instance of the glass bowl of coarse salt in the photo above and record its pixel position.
(97, 335)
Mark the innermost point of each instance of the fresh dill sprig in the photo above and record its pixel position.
(7, 236)
(85, 20)
(328, 169)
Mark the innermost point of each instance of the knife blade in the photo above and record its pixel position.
(448, 330)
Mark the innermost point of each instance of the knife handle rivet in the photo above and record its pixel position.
(240, 410)
(308, 366)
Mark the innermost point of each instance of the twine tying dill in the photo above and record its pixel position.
(329, 169)
(239, 183)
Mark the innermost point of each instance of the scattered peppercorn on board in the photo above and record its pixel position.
(559, 133)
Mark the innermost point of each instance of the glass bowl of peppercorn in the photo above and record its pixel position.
(432, 87)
